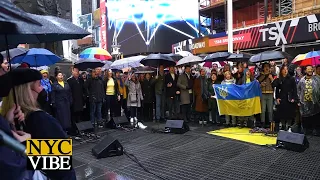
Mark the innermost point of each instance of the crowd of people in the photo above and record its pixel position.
(50, 106)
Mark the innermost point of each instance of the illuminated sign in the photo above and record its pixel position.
(49, 154)
(154, 23)
(236, 39)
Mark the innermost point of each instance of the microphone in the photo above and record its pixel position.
(12, 143)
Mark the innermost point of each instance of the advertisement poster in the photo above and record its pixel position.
(103, 25)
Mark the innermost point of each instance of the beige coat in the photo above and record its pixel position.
(184, 93)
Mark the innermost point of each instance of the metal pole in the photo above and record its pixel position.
(199, 19)
(265, 11)
(230, 25)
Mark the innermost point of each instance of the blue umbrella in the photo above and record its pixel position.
(37, 57)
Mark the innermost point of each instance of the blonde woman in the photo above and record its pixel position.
(26, 83)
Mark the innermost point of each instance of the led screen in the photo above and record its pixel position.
(141, 26)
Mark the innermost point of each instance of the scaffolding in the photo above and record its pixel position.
(284, 7)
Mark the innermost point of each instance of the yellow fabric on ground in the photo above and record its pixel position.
(243, 134)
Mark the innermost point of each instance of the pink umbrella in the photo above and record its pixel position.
(209, 64)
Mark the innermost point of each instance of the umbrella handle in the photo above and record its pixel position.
(157, 72)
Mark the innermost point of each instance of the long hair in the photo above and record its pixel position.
(24, 98)
(281, 69)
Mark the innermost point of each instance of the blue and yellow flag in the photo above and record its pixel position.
(238, 100)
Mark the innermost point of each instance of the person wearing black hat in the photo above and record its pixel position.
(26, 84)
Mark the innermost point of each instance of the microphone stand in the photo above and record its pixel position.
(12, 143)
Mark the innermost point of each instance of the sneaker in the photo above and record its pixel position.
(141, 126)
(131, 121)
(135, 120)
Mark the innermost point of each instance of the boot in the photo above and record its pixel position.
(135, 120)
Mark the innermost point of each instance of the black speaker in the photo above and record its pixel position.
(84, 126)
(177, 126)
(107, 147)
(292, 141)
(116, 121)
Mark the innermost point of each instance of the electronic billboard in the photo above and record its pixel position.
(141, 26)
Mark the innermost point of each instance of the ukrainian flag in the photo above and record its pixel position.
(238, 100)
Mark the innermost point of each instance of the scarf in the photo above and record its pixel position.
(120, 80)
(204, 90)
(45, 83)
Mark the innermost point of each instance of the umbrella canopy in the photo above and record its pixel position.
(95, 53)
(107, 65)
(133, 62)
(10, 13)
(269, 56)
(189, 60)
(14, 52)
(302, 60)
(37, 57)
(52, 29)
(155, 60)
(184, 53)
(312, 54)
(175, 57)
(84, 64)
(217, 56)
(144, 70)
(239, 57)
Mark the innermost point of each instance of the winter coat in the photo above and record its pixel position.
(200, 99)
(135, 94)
(148, 91)
(185, 86)
(286, 90)
(77, 90)
(212, 103)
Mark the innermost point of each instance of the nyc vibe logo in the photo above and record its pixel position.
(274, 33)
(49, 154)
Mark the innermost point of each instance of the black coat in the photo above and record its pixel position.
(61, 101)
(171, 91)
(95, 90)
(12, 164)
(148, 91)
(77, 90)
(286, 89)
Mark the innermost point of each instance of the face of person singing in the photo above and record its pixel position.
(284, 71)
(213, 77)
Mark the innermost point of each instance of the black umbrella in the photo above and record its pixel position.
(155, 60)
(175, 57)
(52, 29)
(144, 70)
(10, 13)
(217, 56)
(14, 52)
(270, 56)
(84, 64)
(239, 57)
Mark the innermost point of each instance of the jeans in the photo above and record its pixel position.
(266, 106)
(133, 111)
(233, 118)
(215, 115)
(160, 102)
(173, 104)
(111, 104)
(95, 109)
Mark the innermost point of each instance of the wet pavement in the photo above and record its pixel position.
(193, 155)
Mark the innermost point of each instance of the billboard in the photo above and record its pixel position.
(85, 21)
(297, 30)
(141, 26)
